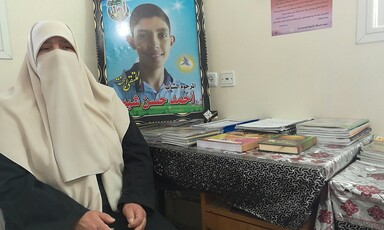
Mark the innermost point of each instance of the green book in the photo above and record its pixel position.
(293, 144)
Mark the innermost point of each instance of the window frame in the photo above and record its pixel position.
(367, 28)
(5, 43)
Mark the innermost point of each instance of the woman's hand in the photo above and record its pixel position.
(94, 220)
(136, 216)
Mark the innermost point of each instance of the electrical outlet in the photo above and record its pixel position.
(228, 78)
(212, 79)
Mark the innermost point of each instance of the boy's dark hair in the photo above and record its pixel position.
(147, 10)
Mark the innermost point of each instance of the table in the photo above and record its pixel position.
(281, 189)
(357, 197)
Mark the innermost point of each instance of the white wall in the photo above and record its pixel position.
(312, 74)
(22, 14)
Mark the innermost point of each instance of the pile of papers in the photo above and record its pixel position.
(338, 131)
(184, 136)
(372, 153)
(179, 133)
(223, 125)
(272, 125)
(152, 131)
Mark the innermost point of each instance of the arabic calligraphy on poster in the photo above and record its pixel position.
(294, 16)
(153, 60)
(147, 104)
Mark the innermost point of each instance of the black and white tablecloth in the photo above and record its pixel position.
(282, 189)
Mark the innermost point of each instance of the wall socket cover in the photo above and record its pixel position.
(212, 79)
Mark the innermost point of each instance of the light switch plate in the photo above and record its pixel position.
(228, 78)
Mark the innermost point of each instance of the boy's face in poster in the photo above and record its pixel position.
(150, 46)
(152, 41)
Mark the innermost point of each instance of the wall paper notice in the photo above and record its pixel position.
(294, 16)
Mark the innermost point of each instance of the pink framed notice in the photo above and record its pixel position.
(294, 16)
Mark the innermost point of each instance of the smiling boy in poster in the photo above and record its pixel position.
(148, 80)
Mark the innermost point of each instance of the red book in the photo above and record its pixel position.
(233, 141)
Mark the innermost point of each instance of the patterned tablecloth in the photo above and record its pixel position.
(357, 196)
(282, 189)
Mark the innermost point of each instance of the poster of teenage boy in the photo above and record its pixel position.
(153, 54)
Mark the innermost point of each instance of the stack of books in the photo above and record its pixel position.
(272, 125)
(338, 131)
(373, 153)
(236, 141)
(184, 136)
(152, 131)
